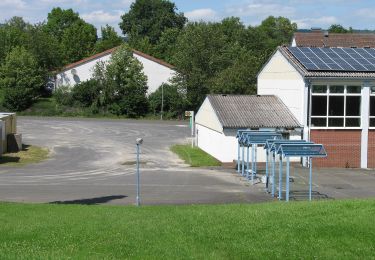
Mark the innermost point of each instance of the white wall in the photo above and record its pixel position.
(280, 78)
(206, 116)
(155, 72)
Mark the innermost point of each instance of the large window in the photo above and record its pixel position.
(336, 106)
(372, 106)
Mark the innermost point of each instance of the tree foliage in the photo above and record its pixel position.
(20, 79)
(149, 19)
(108, 40)
(338, 28)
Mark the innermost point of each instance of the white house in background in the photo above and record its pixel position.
(331, 92)
(157, 71)
(220, 116)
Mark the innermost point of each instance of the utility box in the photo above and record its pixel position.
(8, 125)
(14, 143)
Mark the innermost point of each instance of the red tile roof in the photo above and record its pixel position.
(324, 39)
(104, 53)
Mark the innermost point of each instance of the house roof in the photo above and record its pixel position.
(322, 74)
(104, 53)
(325, 39)
(247, 111)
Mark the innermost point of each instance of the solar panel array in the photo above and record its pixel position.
(335, 59)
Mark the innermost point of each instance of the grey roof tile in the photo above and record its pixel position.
(246, 111)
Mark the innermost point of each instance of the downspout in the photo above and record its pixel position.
(308, 118)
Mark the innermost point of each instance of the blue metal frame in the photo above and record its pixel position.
(272, 146)
(299, 150)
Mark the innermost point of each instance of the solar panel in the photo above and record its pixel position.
(335, 59)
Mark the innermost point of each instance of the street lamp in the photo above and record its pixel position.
(138, 142)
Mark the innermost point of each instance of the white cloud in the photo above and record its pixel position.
(366, 13)
(324, 21)
(18, 4)
(101, 16)
(258, 10)
(205, 14)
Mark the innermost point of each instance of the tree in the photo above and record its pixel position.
(123, 84)
(109, 39)
(338, 28)
(20, 79)
(149, 18)
(78, 41)
(58, 20)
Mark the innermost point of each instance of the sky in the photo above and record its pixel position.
(359, 14)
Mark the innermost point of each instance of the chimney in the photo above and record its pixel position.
(326, 33)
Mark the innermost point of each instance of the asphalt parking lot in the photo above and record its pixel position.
(92, 161)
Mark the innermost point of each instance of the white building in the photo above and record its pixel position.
(220, 116)
(331, 92)
(157, 71)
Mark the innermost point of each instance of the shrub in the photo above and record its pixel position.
(86, 93)
(63, 96)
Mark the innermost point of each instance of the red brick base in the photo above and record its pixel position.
(343, 148)
(371, 149)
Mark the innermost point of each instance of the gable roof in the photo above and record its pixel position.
(322, 74)
(252, 111)
(109, 51)
(325, 39)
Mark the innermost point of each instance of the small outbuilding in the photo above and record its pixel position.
(220, 116)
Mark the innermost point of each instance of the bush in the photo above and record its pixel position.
(17, 99)
(86, 93)
(63, 96)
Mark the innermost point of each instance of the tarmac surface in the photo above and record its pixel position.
(92, 161)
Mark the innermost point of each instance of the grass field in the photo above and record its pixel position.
(302, 230)
(29, 154)
(194, 156)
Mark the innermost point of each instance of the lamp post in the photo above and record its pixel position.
(139, 141)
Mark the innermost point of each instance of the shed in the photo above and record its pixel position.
(8, 125)
(220, 116)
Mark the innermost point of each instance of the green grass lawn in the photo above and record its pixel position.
(29, 154)
(194, 156)
(301, 230)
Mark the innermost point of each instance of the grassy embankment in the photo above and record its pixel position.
(194, 156)
(29, 154)
(302, 230)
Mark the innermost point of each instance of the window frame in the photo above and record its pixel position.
(369, 109)
(328, 94)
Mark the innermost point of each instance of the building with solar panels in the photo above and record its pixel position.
(331, 92)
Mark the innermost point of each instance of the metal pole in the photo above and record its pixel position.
(255, 159)
(247, 163)
(162, 101)
(238, 156)
(252, 163)
(273, 174)
(267, 155)
(243, 161)
(280, 176)
(287, 180)
(138, 199)
(310, 179)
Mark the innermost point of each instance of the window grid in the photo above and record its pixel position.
(344, 94)
(372, 117)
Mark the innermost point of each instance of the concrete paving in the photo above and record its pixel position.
(93, 162)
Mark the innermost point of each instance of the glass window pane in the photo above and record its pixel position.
(336, 106)
(336, 89)
(372, 122)
(372, 90)
(372, 106)
(319, 105)
(352, 122)
(318, 122)
(336, 122)
(353, 106)
(353, 89)
(319, 89)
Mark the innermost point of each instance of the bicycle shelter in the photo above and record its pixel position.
(308, 150)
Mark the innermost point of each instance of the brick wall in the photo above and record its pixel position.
(343, 148)
(371, 149)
